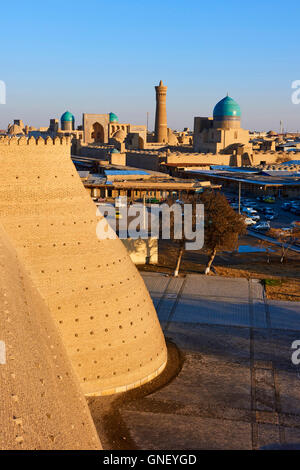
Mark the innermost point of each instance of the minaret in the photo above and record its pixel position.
(161, 131)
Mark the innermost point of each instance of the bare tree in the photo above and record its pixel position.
(285, 240)
(186, 199)
(222, 225)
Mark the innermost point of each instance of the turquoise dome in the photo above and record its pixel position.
(227, 107)
(115, 151)
(67, 117)
(113, 117)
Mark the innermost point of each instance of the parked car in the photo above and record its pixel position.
(269, 199)
(295, 224)
(270, 216)
(250, 210)
(268, 210)
(249, 221)
(295, 210)
(262, 226)
(251, 215)
(286, 206)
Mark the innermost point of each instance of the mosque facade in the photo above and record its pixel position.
(223, 132)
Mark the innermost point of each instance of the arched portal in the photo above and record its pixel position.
(141, 143)
(97, 133)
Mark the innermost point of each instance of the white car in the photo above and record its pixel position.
(249, 221)
(250, 210)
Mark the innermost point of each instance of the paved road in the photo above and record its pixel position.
(238, 388)
(261, 236)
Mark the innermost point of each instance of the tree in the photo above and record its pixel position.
(285, 240)
(222, 225)
(185, 199)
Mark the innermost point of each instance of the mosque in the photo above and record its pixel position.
(98, 129)
(223, 132)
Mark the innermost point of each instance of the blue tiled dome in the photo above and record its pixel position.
(67, 117)
(227, 107)
(113, 117)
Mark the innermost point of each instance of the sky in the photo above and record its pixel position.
(102, 56)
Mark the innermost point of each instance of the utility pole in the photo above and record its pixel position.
(144, 210)
(240, 190)
(147, 121)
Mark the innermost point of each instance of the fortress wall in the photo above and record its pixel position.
(42, 405)
(86, 151)
(93, 290)
(268, 157)
(148, 161)
(217, 159)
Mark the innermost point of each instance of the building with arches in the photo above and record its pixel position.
(101, 128)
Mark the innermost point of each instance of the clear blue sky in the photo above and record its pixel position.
(101, 56)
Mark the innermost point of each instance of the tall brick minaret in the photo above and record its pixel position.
(161, 131)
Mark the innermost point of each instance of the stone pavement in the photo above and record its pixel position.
(238, 388)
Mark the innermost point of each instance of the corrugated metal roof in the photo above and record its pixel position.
(125, 172)
(280, 173)
(291, 162)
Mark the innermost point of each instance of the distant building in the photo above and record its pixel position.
(223, 132)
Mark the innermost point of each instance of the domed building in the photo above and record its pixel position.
(113, 117)
(222, 134)
(227, 113)
(104, 129)
(67, 121)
